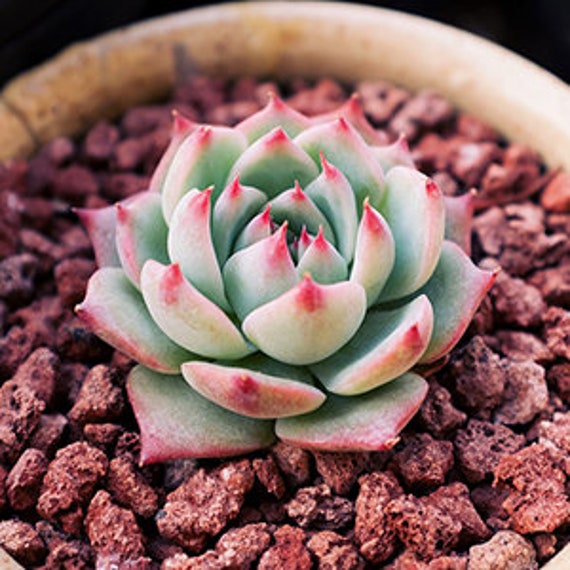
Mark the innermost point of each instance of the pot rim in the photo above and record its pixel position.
(102, 77)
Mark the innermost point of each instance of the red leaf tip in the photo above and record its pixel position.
(310, 297)
(276, 137)
(330, 170)
(298, 194)
(171, 281)
(432, 188)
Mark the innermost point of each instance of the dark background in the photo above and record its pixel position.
(33, 30)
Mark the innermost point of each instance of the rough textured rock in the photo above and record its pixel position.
(507, 550)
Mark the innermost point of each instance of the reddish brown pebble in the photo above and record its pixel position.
(49, 433)
(12, 208)
(294, 462)
(554, 284)
(130, 488)
(408, 560)
(520, 345)
(204, 504)
(470, 160)
(381, 99)
(423, 462)
(268, 475)
(103, 436)
(39, 373)
(438, 414)
(77, 342)
(475, 129)
(71, 276)
(100, 142)
(340, 470)
(334, 552)
(480, 446)
(242, 547)
(100, 398)
(69, 484)
(317, 507)
(138, 121)
(74, 183)
(112, 530)
(17, 275)
(22, 541)
(376, 540)
(124, 184)
(129, 154)
(556, 331)
(545, 545)
(72, 555)
(507, 550)
(326, 95)
(289, 551)
(559, 377)
(537, 500)
(556, 196)
(25, 479)
(555, 435)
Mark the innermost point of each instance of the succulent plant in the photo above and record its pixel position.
(286, 278)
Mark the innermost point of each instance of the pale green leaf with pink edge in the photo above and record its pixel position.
(203, 159)
(303, 243)
(101, 226)
(257, 229)
(387, 344)
(116, 312)
(369, 422)
(414, 209)
(333, 195)
(273, 163)
(455, 291)
(323, 262)
(190, 245)
(259, 273)
(341, 145)
(233, 209)
(140, 233)
(250, 392)
(176, 422)
(374, 253)
(186, 316)
(395, 154)
(458, 219)
(307, 323)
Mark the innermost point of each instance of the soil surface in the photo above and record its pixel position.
(480, 477)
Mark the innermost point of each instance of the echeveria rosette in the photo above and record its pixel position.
(281, 278)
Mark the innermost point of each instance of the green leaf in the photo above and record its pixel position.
(176, 422)
(323, 262)
(370, 422)
(458, 219)
(101, 224)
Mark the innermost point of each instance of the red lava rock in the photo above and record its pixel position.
(144, 119)
(526, 392)
(15, 347)
(446, 183)
(121, 185)
(470, 160)
(25, 479)
(326, 95)
(340, 470)
(268, 475)
(317, 507)
(130, 488)
(20, 413)
(376, 540)
(3, 490)
(73, 183)
(545, 545)
(100, 398)
(204, 504)
(17, 274)
(506, 550)
(381, 99)
(559, 377)
(77, 342)
(480, 446)
(103, 436)
(242, 547)
(49, 433)
(554, 284)
(520, 345)
(69, 484)
(422, 527)
(537, 500)
(43, 248)
(423, 461)
(177, 471)
(289, 551)
(40, 173)
(408, 560)
(39, 373)
(131, 153)
(334, 552)
(21, 541)
(556, 196)
(232, 113)
(555, 435)
(201, 93)
(100, 142)
(466, 369)
(556, 331)
(59, 150)
(488, 501)
(71, 276)
(13, 175)
(475, 130)
(12, 209)
(294, 462)
(70, 554)
(438, 414)
(112, 530)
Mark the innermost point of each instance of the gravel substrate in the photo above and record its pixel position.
(480, 477)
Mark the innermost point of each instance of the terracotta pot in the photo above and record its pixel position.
(105, 76)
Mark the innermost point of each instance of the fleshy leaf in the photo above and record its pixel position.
(190, 245)
(307, 323)
(303, 242)
(202, 160)
(258, 228)
(323, 262)
(458, 219)
(177, 423)
(370, 422)
(387, 344)
(273, 163)
(275, 114)
(141, 233)
(234, 208)
(259, 273)
(116, 312)
(333, 195)
(341, 145)
(395, 154)
(455, 290)
(299, 210)
(188, 317)
(250, 392)
(414, 209)
(373, 254)
(181, 129)
(101, 225)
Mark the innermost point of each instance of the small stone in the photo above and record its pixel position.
(554, 284)
(555, 435)
(470, 160)
(289, 551)
(556, 331)
(74, 183)
(124, 184)
(559, 377)
(17, 274)
(294, 462)
(334, 552)
(71, 276)
(520, 345)
(100, 142)
(103, 436)
(242, 547)
(77, 342)
(556, 196)
(507, 550)
(25, 479)
(48, 435)
(21, 540)
(268, 475)
(340, 470)
(381, 99)
(438, 414)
